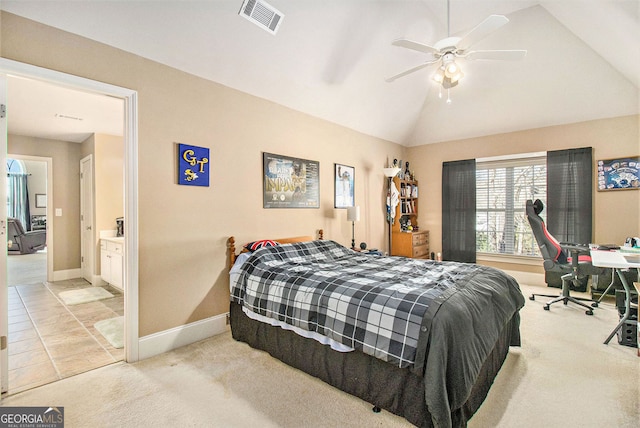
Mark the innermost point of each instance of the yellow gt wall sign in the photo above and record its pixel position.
(193, 165)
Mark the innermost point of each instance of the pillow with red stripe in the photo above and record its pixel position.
(256, 245)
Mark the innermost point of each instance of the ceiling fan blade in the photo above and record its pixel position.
(420, 47)
(481, 31)
(411, 70)
(507, 55)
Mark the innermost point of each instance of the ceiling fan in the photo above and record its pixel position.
(445, 52)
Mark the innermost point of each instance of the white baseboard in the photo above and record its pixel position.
(164, 341)
(528, 278)
(61, 275)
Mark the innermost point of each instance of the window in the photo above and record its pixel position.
(502, 189)
(14, 167)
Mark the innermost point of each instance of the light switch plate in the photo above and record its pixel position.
(58, 212)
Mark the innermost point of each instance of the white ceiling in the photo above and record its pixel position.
(330, 58)
(43, 110)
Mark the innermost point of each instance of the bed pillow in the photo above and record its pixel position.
(256, 245)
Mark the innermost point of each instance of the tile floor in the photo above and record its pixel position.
(49, 341)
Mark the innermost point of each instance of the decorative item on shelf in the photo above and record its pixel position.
(405, 222)
(353, 215)
(392, 196)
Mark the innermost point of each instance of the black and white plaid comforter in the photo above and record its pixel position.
(373, 304)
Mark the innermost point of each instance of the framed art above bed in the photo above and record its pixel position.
(290, 182)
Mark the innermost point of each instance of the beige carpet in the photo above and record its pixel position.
(84, 295)
(563, 376)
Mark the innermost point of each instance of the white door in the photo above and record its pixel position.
(87, 235)
(4, 298)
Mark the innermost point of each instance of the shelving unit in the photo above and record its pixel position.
(406, 242)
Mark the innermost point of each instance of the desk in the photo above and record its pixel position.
(618, 261)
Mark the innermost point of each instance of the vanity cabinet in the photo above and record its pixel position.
(112, 261)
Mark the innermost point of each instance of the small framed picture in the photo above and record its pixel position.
(619, 174)
(41, 200)
(193, 165)
(344, 194)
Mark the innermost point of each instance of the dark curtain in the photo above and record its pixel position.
(18, 199)
(459, 211)
(569, 194)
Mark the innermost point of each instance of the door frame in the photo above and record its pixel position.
(130, 98)
(4, 290)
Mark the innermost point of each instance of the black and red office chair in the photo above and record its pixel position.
(572, 261)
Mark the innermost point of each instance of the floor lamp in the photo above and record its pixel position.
(390, 173)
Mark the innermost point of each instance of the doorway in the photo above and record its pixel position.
(39, 266)
(130, 339)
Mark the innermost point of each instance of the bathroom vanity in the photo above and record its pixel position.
(112, 261)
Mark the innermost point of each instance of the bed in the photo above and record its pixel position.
(419, 338)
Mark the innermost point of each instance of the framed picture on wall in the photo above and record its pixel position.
(290, 182)
(193, 165)
(41, 200)
(344, 188)
(619, 174)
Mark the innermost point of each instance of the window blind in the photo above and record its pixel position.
(502, 189)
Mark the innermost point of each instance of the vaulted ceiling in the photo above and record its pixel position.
(330, 58)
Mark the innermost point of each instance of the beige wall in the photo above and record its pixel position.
(108, 185)
(183, 230)
(66, 194)
(37, 180)
(616, 213)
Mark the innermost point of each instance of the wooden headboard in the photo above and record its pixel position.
(232, 244)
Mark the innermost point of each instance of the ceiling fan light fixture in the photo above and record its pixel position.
(451, 69)
(457, 76)
(438, 76)
(448, 83)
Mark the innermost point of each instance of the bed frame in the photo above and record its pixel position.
(397, 390)
(232, 244)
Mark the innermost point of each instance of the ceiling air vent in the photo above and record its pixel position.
(262, 14)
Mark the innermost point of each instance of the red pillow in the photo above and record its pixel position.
(256, 245)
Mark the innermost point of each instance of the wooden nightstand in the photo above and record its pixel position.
(411, 244)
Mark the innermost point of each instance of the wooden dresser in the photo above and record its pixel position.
(411, 244)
